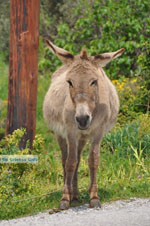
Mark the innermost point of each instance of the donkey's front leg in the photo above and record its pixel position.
(70, 168)
(93, 166)
(81, 144)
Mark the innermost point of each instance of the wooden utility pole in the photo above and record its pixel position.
(23, 67)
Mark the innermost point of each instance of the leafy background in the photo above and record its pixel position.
(98, 26)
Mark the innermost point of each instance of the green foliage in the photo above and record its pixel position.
(3, 112)
(19, 180)
(129, 94)
(144, 125)
(97, 25)
(3, 94)
(4, 28)
(144, 71)
(11, 174)
(134, 98)
(144, 61)
(107, 26)
(10, 144)
(3, 78)
(133, 136)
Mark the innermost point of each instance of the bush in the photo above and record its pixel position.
(4, 28)
(3, 112)
(133, 135)
(144, 71)
(134, 98)
(106, 26)
(18, 180)
(11, 174)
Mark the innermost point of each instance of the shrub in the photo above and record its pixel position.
(133, 135)
(144, 71)
(105, 26)
(11, 174)
(133, 98)
(3, 112)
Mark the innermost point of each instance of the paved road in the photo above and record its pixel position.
(133, 212)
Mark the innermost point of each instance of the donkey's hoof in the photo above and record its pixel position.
(95, 203)
(64, 204)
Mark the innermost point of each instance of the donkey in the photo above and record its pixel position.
(81, 104)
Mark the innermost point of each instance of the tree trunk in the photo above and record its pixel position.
(23, 67)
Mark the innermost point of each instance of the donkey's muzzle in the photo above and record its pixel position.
(83, 121)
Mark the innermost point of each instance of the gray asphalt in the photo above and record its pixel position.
(133, 212)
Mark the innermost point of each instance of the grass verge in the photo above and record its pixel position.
(118, 178)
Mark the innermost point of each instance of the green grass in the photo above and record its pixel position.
(117, 179)
(41, 127)
(121, 174)
(3, 94)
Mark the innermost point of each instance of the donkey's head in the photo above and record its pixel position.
(83, 80)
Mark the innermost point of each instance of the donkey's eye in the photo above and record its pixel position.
(70, 83)
(94, 83)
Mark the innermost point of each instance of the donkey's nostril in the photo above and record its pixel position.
(83, 120)
(87, 117)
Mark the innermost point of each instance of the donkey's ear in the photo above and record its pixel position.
(64, 55)
(103, 59)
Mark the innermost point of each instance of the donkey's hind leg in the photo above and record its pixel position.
(63, 146)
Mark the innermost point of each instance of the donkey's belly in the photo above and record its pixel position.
(53, 114)
(54, 105)
(58, 128)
